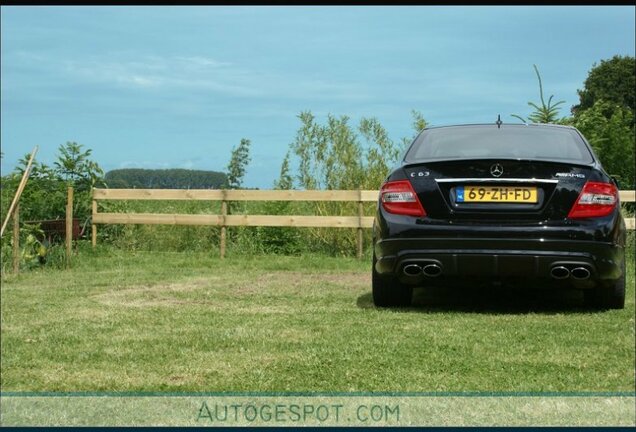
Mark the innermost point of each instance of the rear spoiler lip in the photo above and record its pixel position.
(496, 180)
(412, 164)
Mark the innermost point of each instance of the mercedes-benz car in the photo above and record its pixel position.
(503, 203)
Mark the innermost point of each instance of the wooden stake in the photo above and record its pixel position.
(223, 233)
(360, 216)
(93, 226)
(69, 225)
(16, 239)
(21, 186)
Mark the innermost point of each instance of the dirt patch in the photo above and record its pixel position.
(271, 283)
(152, 295)
(282, 281)
(349, 278)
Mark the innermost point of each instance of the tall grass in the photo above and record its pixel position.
(241, 240)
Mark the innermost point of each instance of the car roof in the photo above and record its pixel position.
(538, 125)
(493, 126)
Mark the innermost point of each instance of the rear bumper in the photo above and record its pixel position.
(497, 258)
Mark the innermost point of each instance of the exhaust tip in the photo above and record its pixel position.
(580, 273)
(560, 272)
(432, 270)
(412, 269)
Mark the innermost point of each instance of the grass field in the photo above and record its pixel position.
(123, 321)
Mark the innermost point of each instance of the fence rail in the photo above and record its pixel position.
(235, 195)
(225, 220)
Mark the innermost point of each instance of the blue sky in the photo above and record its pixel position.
(178, 87)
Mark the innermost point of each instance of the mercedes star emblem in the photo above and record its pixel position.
(496, 170)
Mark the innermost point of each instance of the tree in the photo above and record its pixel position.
(238, 162)
(382, 153)
(280, 239)
(343, 164)
(546, 113)
(613, 80)
(336, 155)
(173, 178)
(605, 115)
(332, 156)
(418, 123)
(309, 146)
(75, 167)
(45, 195)
(285, 180)
(612, 138)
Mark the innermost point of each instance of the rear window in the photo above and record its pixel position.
(488, 142)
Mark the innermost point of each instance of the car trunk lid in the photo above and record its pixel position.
(493, 189)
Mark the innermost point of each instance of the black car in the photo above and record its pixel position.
(503, 203)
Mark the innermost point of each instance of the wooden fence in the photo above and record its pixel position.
(625, 197)
(226, 220)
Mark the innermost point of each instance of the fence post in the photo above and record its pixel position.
(223, 214)
(69, 225)
(93, 226)
(360, 216)
(16, 239)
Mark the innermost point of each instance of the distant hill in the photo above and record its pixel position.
(139, 178)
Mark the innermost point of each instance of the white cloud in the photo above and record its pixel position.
(203, 61)
(198, 73)
(156, 73)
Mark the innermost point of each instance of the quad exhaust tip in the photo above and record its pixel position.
(432, 270)
(560, 272)
(580, 273)
(557, 272)
(427, 269)
(412, 270)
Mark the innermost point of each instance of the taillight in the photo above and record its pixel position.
(595, 200)
(398, 197)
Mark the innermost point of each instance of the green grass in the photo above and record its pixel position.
(123, 321)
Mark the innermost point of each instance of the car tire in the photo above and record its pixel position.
(611, 296)
(388, 291)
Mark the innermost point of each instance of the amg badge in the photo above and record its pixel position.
(577, 175)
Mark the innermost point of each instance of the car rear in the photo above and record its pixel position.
(526, 203)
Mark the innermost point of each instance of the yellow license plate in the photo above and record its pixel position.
(497, 194)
